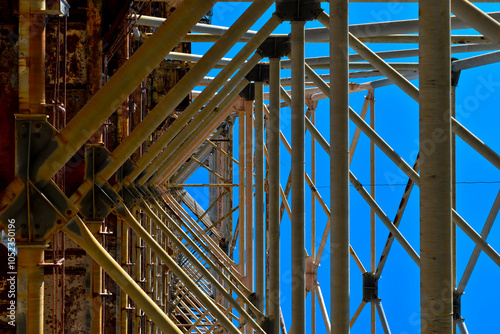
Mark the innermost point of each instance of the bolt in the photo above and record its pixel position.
(69, 212)
(23, 226)
(59, 221)
(38, 126)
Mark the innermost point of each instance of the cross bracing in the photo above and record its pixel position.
(213, 168)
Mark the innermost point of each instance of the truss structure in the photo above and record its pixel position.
(161, 258)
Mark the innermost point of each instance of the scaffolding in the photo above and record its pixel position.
(103, 127)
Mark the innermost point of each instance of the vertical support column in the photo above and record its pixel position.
(249, 192)
(259, 193)
(134, 271)
(435, 168)
(297, 173)
(373, 264)
(96, 281)
(339, 165)
(122, 242)
(30, 275)
(313, 219)
(139, 272)
(241, 201)
(31, 56)
(30, 287)
(94, 54)
(149, 270)
(273, 139)
(454, 83)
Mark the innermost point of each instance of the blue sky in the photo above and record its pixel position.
(397, 122)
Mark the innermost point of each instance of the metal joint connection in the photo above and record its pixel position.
(267, 325)
(259, 73)
(99, 202)
(254, 299)
(370, 287)
(248, 93)
(455, 73)
(275, 47)
(457, 305)
(125, 170)
(33, 132)
(311, 274)
(298, 10)
(57, 8)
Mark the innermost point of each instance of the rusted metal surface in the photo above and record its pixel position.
(94, 46)
(31, 48)
(9, 90)
(77, 62)
(30, 288)
(161, 80)
(94, 53)
(75, 289)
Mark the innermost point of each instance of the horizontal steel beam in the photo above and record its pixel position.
(386, 28)
(477, 19)
(153, 21)
(481, 60)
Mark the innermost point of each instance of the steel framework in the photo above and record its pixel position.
(109, 233)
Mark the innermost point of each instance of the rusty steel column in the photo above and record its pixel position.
(297, 174)
(30, 285)
(31, 57)
(436, 290)
(339, 166)
(94, 55)
(30, 274)
(273, 138)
